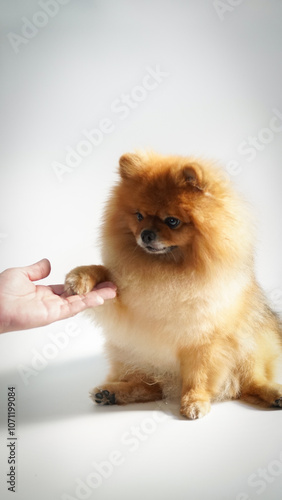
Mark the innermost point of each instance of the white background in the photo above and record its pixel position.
(221, 86)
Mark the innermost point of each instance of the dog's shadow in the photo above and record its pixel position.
(61, 391)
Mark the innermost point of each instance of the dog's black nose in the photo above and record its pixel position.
(148, 236)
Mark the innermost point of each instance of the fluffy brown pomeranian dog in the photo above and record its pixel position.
(189, 317)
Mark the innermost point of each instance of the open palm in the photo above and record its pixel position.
(24, 304)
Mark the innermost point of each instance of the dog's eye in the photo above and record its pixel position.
(172, 222)
(139, 216)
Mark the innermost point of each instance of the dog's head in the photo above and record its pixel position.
(175, 208)
(159, 195)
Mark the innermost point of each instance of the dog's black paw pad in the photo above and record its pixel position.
(278, 403)
(105, 398)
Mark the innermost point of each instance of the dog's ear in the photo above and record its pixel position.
(193, 176)
(129, 165)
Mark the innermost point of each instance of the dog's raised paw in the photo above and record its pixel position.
(104, 397)
(278, 403)
(78, 282)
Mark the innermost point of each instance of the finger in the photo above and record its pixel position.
(94, 298)
(78, 300)
(72, 306)
(105, 293)
(60, 289)
(39, 270)
(75, 304)
(78, 303)
(105, 284)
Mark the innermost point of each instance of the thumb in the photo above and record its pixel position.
(39, 270)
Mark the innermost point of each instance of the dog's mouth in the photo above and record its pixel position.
(151, 249)
(155, 247)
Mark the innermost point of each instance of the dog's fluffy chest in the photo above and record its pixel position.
(151, 320)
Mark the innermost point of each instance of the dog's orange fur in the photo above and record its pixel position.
(194, 318)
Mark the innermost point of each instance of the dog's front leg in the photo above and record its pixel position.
(197, 383)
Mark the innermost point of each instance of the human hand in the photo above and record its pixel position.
(24, 305)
